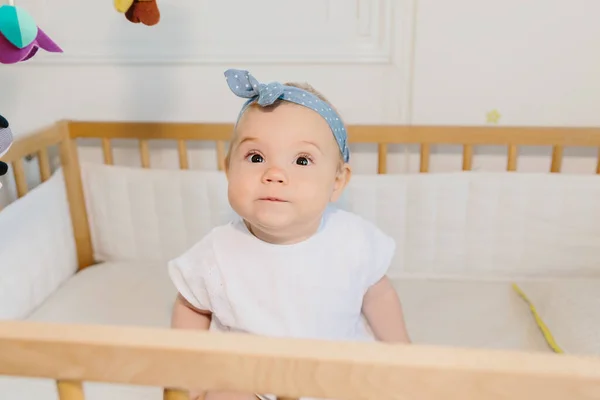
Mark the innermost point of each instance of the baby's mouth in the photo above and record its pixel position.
(273, 199)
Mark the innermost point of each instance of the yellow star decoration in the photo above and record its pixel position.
(493, 117)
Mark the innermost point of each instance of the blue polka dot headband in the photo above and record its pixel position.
(243, 84)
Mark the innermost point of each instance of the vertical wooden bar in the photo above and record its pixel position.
(44, 164)
(382, 158)
(467, 163)
(74, 186)
(511, 164)
(145, 153)
(598, 163)
(68, 390)
(183, 156)
(20, 177)
(221, 155)
(175, 394)
(424, 161)
(107, 151)
(557, 154)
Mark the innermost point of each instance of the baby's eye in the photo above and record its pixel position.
(255, 158)
(302, 160)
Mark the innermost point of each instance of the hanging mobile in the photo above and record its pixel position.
(136, 11)
(20, 37)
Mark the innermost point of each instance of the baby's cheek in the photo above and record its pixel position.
(237, 189)
(315, 194)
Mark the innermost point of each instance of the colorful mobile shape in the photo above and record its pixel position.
(20, 37)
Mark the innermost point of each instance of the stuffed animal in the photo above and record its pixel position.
(136, 11)
(6, 140)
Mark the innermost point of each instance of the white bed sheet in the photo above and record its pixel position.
(441, 312)
(570, 308)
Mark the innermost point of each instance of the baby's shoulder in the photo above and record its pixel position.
(347, 224)
(362, 242)
(353, 231)
(211, 243)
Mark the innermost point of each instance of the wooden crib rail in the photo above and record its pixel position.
(145, 131)
(287, 367)
(383, 135)
(37, 144)
(469, 136)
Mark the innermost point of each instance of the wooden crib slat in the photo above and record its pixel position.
(69, 159)
(557, 155)
(183, 155)
(107, 151)
(69, 390)
(598, 163)
(424, 161)
(44, 164)
(221, 155)
(20, 177)
(467, 163)
(382, 152)
(511, 164)
(175, 394)
(145, 153)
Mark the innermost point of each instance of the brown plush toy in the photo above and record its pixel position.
(144, 11)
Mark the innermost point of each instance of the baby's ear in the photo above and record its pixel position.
(341, 181)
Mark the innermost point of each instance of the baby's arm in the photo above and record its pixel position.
(186, 316)
(192, 305)
(383, 311)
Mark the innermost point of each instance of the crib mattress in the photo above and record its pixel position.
(438, 311)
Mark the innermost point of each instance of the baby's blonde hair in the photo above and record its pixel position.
(304, 86)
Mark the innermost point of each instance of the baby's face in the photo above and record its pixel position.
(284, 169)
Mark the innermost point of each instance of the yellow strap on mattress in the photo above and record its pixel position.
(538, 320)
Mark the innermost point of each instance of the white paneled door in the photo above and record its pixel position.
(356, 51)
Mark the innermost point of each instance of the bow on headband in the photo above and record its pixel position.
(243, 84)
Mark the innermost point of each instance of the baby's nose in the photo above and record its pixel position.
(274, 175)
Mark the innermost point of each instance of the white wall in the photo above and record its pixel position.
(535, 61)
(379, 61)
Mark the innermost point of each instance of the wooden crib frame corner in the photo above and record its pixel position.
(72, 354)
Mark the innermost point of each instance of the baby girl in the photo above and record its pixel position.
(291, 265)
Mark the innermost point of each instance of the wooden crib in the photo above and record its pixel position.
(178, 360)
